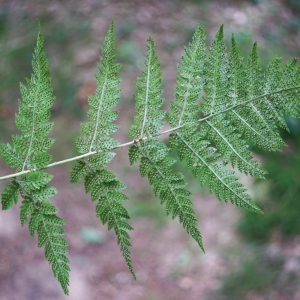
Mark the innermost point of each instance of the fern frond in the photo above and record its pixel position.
(168, 185)
(105, 189)
(241, 104)
(215, 70)
(29, 152)
(104, 186)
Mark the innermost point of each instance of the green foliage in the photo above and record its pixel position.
(239, 105)
(29, 152)
(103, 185)
(195, 145)
(153, 154)
(48, 227)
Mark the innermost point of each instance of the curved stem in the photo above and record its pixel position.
(144, 138)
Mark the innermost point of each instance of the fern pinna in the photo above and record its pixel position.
(221, 104)
(210, 76)
(29, 153)
(103, 185)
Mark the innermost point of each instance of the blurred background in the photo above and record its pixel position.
(248, 256)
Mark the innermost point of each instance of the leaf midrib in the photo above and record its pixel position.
(33, 122)
(98, 111)
(147, 94)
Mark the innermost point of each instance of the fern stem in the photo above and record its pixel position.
(144, 138)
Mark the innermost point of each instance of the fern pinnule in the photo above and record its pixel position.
(103, 185)
(29, 149)
(29, 152)
(10, 194)
(168, 185)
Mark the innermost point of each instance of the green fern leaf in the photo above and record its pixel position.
(194, 145)
(33, 118)
(215, 70)
(190, 82)
(29, 153)
(254, 119)
(103, 185)
(110, 210)
(153, 154)
(97, 130)
(148, 119)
